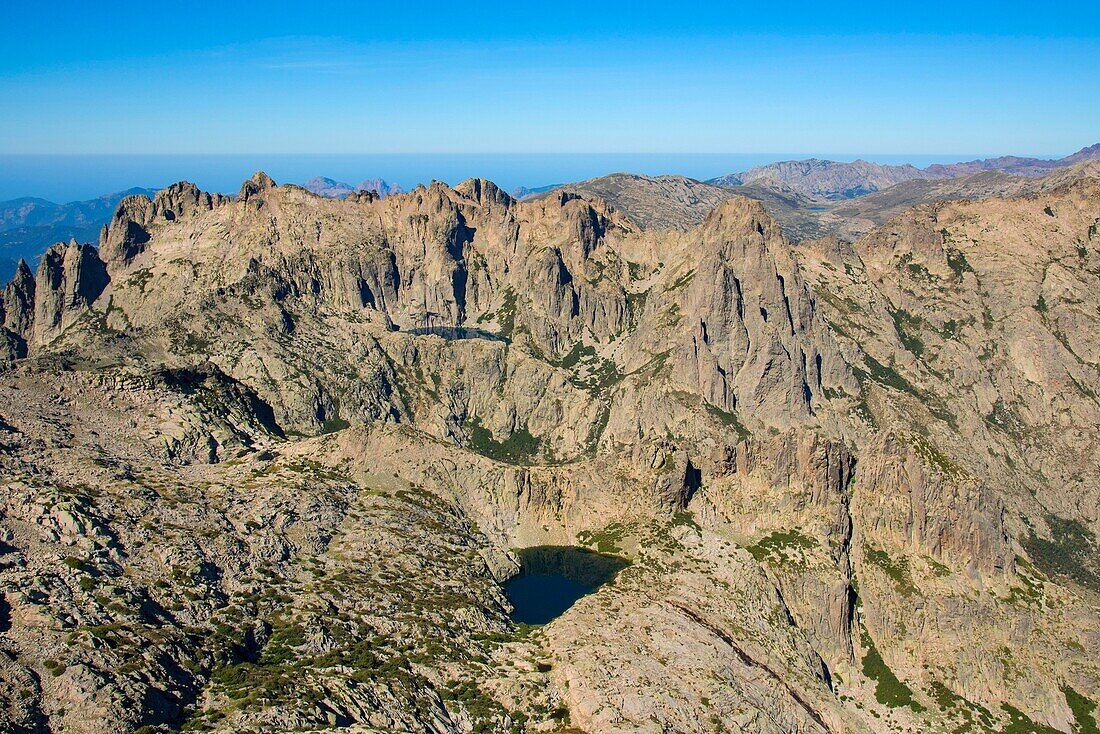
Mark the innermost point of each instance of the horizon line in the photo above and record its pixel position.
(23, 154)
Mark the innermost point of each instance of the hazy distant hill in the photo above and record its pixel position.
(29, 225)
(828, 179)
(677, 202)
(852, 218)
(522, 192)
(333, 189)
(836, 180)
(32, 212)
(1015, 164)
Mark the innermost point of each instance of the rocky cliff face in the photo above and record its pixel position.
(268, 460)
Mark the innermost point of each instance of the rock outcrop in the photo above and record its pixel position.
(69, 280)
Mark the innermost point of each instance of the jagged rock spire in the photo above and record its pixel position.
(259, 183)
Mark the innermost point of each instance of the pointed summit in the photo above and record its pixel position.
(259, 182)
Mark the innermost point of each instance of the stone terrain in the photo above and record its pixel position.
(267, 460)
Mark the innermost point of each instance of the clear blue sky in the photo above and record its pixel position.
(358, 76)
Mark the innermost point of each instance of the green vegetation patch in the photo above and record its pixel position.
(967, 712)
(783, 548)
(916, 270)
(933, 457)
(729, 419)
(956, 260)
(908, 327)
(589, 371)
(889, 690)
(1071, 552)
(898, 571)
(332, 425)
(1031, 589)
(606, 540)
(506, 314)
(887, 376)
(519, 448)
(682, 281)
(1084, 711)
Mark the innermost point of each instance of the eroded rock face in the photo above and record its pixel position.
(69, 280)
(758, 342)
(125, 236)
(914, 499)
(293, 441)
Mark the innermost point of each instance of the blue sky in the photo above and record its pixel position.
(367, 77)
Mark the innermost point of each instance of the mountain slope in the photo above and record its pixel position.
(827, 179)
(677, 202)
(268, 460)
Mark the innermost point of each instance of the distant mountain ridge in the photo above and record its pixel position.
(835, 180)
(332, 189)
(33, 212)
(523, 192)
(28, 225)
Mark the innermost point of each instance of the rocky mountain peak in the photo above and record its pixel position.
(183, 199)
(125, 235)
(17, 304)
(740, 215)
(259, 183)
(484, 192)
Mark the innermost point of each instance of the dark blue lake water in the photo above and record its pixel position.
(539, 599)
(554, 577)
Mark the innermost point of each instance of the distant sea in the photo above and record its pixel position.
(63, 178)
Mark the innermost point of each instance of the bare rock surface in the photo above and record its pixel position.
(267, 462)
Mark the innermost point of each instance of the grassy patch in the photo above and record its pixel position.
(682, 281)
(1084, 712)
(1031, 589)
(332, 425)
(968, 712)
(506, 314)
(728, 419)
(606, 540)
(887, 376)
(1070, 552)
(956, 260)
(889, 690)
(589, 371)
(519, 448)
(782, 547)
(933, 457)
(908, 327)
(898, 571)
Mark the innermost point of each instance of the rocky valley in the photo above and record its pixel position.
(269, 460)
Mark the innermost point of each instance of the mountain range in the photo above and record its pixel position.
(29, 225)
(271, 460)
(336, 190)
(835, 180)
